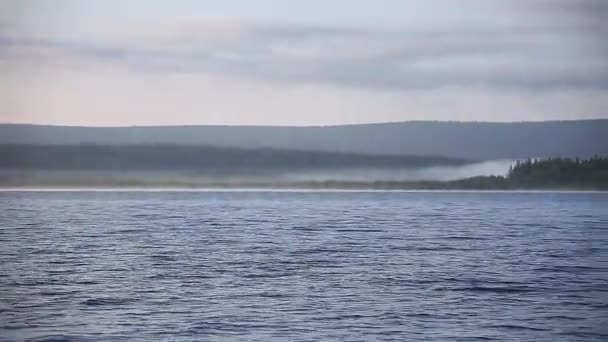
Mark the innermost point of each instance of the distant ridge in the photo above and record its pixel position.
(151, 157)
(470, 140)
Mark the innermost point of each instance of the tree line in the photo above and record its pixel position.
(559, 172)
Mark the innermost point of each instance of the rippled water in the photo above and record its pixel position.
(244, 266)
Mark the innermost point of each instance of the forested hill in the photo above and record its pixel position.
(565, 172)
(150, 157)
(471, 140)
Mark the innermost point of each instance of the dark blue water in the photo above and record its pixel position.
(255, 266)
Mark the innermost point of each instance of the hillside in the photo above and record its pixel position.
(205, 159)
(543, 174)
(470, 140)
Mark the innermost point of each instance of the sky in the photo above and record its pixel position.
(313, 62)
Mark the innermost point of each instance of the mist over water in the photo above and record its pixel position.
(435, 173)
(236, 177)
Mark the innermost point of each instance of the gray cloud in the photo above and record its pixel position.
(590, 11)
(558, 52)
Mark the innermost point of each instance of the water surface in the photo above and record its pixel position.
(297, 266)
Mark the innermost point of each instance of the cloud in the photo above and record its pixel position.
(526, 56)
(106, 95)
(477, 60)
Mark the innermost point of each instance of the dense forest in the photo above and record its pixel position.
(556, 172)
(548, 173)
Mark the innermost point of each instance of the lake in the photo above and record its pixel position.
(303, 266)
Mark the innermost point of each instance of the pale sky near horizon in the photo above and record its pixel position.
(313, 62)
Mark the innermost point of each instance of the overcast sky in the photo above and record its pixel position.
(308, 62)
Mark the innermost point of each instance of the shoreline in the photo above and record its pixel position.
(282, 189)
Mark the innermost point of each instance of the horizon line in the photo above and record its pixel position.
(304, 126)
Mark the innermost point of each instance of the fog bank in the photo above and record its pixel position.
(435, 173)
